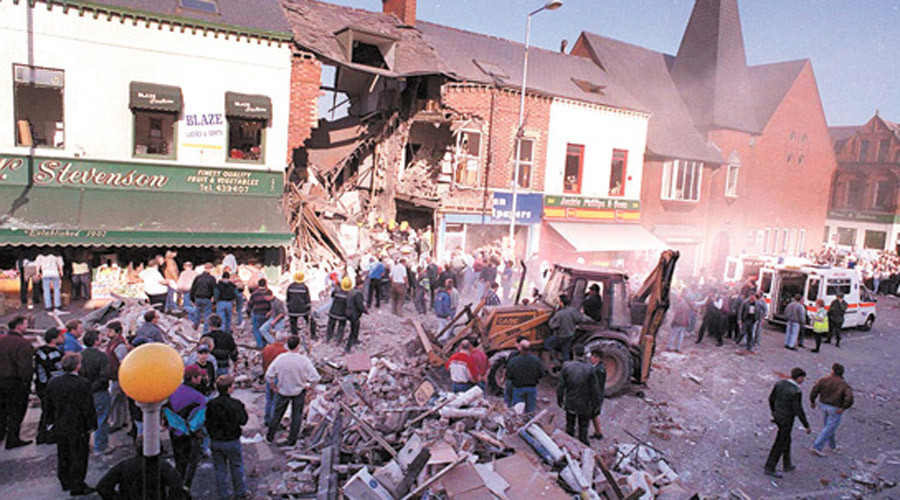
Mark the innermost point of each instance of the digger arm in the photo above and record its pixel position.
(656, 291)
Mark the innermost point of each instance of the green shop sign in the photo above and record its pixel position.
(91, 174)
(593, 203)
(851, 215)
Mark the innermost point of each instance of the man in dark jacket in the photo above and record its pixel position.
(836, 312)
(95, 369)
(593, 303)
(224, 348)
(524, 373)
(225, 295)
(786, 404)
(202, 291)
(600, 373)
(578, 394)
(260, 304)
(749, 314)
(16, 369)
(72, 417)
(356, 307)
(47, 359)
(125, 481)
(150, 330)
(835, 396)
(298, 305)
(337, 315)
(564, 323)
(224, 418)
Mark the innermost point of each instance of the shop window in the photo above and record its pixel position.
(681, 180)
(39, 106)
(468, 158)
(573, 168)
(617, 173)
(246, 139)
(208, 6)
(731, 178)
(875, 240)
(846, 236)
(154, 133)
(526, 162)
(863, 150)
(883, 149)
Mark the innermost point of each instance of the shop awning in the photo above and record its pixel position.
(253, 107)
(154, 97)
(95, 217)
(594, 237)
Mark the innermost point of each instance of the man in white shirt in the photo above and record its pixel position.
(399, 281)
(50, 269)
(154, 284)
(289, 376)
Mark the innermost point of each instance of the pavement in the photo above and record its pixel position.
(705, 409)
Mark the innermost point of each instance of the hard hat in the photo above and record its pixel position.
(346, 284)
(299, 277)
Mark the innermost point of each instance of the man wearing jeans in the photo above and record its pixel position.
(796, 318)
(524, 373)
(681, 318)
(290, 375)
(835, 396)
(224, 418)
(260, 306)
(225, 295)
(50, 269)
(202, 290)
(95, 369)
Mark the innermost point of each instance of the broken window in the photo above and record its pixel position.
(245, 139)
(154, 133)
(468, 158)
(526, 161)
(39, 106)
(617, 172)
(573, 168)
(368, 54)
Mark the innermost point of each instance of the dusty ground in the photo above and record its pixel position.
(715, 433)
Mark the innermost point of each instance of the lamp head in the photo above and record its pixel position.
(553, 5)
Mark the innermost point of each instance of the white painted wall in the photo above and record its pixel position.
(599, 130)
(100, 57)
(892, 231)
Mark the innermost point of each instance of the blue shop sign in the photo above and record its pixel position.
(529, 207)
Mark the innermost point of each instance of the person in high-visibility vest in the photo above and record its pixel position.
(820, 323)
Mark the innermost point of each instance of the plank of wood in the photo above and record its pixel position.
(610, 480)
(369, 430)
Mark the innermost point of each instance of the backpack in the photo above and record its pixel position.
(188, 421)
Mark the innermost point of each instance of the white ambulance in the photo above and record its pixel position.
(738, 268)
(781, 282)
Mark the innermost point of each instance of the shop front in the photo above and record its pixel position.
(115, 216)
(469, 232)
(596, 231)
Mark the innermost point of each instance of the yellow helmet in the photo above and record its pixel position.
(299, 277)
(346, 284)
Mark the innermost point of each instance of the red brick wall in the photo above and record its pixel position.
(498, 133)
(404, 9)
(306, 76)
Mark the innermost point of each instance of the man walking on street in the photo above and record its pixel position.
(201, 295)
(376, 273)
(47, 364)
(524, 372)
(225, 295)
(836, 313)
(16, 357)
(600, 373)
(399, 282)
(681, 318)
(835, 396)
(290, 375)
(337, 314)
(72, 417)
(224, 418)
(356, 307)
(95, 369)
(298, 305)
(578, 393)
(260, 305)
(224, 349)
(796, 319)
(786, 404)
(749, 314)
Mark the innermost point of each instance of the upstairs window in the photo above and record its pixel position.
(468, 153)
(248, 117)
(731, 176)
(368, 48)
(38, 97)
(573, 168)
(863, 150)
(618, 171)
(526, 162)
(884, 148)
(208, 6)
(884, 194)
(856, 190)
(681, 180)
(155, 108)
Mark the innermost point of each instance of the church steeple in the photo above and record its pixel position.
(711, 69)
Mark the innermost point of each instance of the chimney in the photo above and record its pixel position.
(562, 45)
(404, 9)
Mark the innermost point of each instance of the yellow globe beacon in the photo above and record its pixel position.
(151, 373)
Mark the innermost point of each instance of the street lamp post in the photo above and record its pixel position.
(550, 5)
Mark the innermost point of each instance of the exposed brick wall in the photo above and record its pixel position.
(498, 135)
(306, 76)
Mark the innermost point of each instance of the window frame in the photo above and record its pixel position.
(215, 3)
(521, 164)
(262, 141)
(884, 150)
(466, 158)
(580, 148)
(863, 154)
(624, 172)
(669, 180)
(134, 154)
(62, 113)
(731, 182)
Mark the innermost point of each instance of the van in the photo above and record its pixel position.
(740, 268)
(780, 283)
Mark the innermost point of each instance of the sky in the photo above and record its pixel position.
(854, 45)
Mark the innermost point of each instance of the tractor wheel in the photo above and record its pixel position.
(617, 360)
(497, 374)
